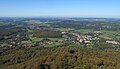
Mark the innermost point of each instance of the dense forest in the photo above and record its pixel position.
(60, 58)
(47, 33)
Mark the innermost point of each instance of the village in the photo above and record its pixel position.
(74, 37)
(86, 38)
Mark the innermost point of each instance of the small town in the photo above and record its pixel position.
(86, 38)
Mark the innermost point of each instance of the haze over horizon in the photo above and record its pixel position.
(60, 8)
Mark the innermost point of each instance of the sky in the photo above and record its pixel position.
(62, 8)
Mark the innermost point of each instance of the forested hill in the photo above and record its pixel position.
(61, 58)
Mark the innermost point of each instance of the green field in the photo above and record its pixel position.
(35, 39)
(110, 34)
(64, 29)
(52, 45)
(85, 30)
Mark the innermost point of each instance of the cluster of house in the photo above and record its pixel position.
(47, 42)
(87, 37)
(113, 42)
(82, 38)
(44, 42)
(11, 44)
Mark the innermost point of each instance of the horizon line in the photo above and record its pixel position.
(58, 16)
